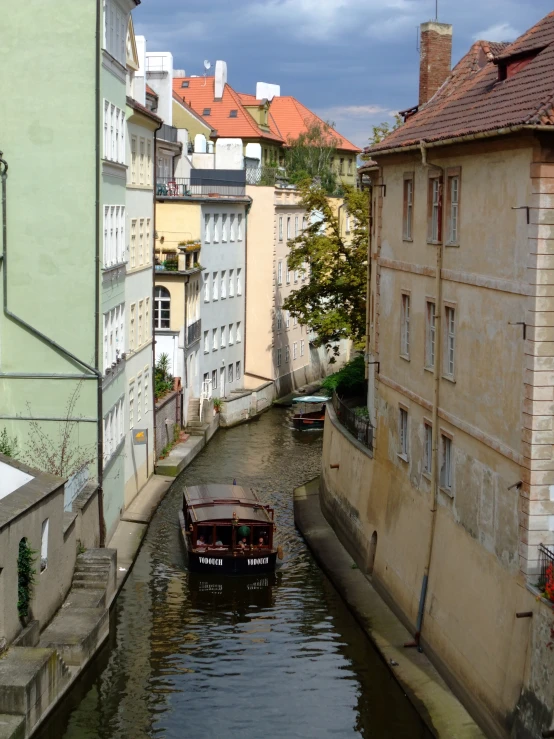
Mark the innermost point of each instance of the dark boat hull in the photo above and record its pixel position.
(304, 421)
(213, 562)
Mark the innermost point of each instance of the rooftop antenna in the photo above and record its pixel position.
(207, 67)
(437, 10)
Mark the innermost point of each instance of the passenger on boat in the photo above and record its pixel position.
(243, 543)
(261, 542)
(201, 542)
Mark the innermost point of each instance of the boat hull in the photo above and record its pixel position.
(308, 421)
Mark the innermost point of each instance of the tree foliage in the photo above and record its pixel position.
(332, 303)
(312, 156)
(349, 380)
(382, 130)
(8, 445)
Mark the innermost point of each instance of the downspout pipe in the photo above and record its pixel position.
(436, 398)
(245, 281)
(153, 311)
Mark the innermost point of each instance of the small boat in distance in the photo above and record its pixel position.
(310, 419)
(228, 530)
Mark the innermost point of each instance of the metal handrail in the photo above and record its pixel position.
(358, 426)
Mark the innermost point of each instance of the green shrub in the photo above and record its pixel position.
(350, 380)
(8, 445)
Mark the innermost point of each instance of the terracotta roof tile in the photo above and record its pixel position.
(150, 91)
(475, 100)
(292, 118)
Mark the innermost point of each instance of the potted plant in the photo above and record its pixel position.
(217, 405)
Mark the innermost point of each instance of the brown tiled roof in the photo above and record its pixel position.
(132, 103)
(474, 99)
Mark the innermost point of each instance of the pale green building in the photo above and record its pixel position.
(63, 325)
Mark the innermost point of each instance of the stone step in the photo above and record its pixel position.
(101, 576)
(194, 402)
(96, 584)
(194, 424)
(79, 567)
(12, 727)
(76, 633)
(31, 678)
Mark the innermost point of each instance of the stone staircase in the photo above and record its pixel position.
(194, 426)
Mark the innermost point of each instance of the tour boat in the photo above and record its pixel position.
(228, 530)
(310, 419)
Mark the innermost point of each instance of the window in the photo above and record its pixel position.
(302, 347)
(214, 339)
(278, 357)
(237, 334)
(146, 389)
(133, 327)
(430, 335)
(216, 228)
(214, 286)
(280, 273)
(287, 354)
(450, 338)
(287, 319)
(288, 228)
(223, 293)
(206, 111)
(350, 166)
(222, 341)
(162, 304)
(114, 235)
(453, 206)
(231, 338)
(347, 222)
(279, 320)
(239, 227)
(341, 166)
(206, 277)
(231, 283)
(207, 230)
(296, 275)
(148, 162)
(114, 335)
(239, 281)
(295, 226)
(230, 373)
(232, 233)
(142, 145)
(303, 223)
(434, 213)
(294, 349)
(115, 31)
(237, 371)
(288, 272)
(147, 244)
(147, 332)
(427, 448)
(140, 322)
(114, 133)
(44, 545)
(280, 228)
(403, 433)
(408, 213)
(224, 227)
(446, 463)
(132, 404)
(133, 244)
(214, 379)
(133, 160)
(141, 242)
(206, 342)
(139, 397)
(405, 327)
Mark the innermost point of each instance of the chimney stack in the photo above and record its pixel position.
(220, 79)
(435, 58)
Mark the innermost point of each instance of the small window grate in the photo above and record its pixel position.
(184, 83)
(206, 111)
(233, 113)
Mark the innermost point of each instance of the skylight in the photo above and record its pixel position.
(233, 113)
(185, 83)
(206, 111)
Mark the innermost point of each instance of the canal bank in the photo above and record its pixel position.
(443, 713)
(193, 650)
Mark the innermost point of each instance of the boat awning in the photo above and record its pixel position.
(220, 502)
(311, 399)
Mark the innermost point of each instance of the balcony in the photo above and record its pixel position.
(198, 187)
(193, 332)
(268, 176)
(167, 133)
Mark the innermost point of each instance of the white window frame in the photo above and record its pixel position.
(206, 277)
(405, 326)
(214, 339)
(430, 333)
(232, 227)
(231, 283)
(222, 340)
(403, 439)
(301, 347)
(231, 339)
(454, 215)
(280, 228)
(238, 337)
(223, 292)
(279, 272)
(207, 227)
(206, 342)
(214, 286)
(279, 357)
(446, 471)
(239, 281)
(449, 340)
(160, 298)
(239, 227)
(238, 370)
(427, 448)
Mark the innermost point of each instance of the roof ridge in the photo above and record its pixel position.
(236, 98)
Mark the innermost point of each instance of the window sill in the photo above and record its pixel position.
(405, 357)
(454, 244)
(427, 476)
(449, 378)
(429, 369)
(448, 492)
(405, 238)
(403, 457)
(430, 242)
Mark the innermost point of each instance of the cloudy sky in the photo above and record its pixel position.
(353, 62)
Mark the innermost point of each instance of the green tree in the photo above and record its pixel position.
(312, 155)
(382, 130)
(332, 303)
(8, 445)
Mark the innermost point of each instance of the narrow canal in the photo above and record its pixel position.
(276, 657)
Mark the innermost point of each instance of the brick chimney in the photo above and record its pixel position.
(435, 58)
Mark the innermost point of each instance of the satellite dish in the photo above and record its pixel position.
(207, 65)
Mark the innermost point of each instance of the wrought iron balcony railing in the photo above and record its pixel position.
(358, 426)
(185, 187)
(194, 331)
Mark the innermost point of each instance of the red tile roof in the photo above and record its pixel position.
(179, 99)
(291, 118)
(150, 91)
(200, 95)
(475, 100)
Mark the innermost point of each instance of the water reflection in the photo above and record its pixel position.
(278, 656)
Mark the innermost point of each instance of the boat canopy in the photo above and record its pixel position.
(220, 502)
(311, 399)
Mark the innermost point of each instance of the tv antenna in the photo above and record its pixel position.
(437, 10)
(207, 67)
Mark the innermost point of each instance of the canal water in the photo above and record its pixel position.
(278, 656)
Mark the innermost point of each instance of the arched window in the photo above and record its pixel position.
(162, 304)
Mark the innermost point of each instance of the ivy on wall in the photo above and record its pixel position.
(25, 578)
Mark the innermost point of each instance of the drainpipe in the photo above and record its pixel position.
(245, 331)
(369, 269)
(436, 397)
